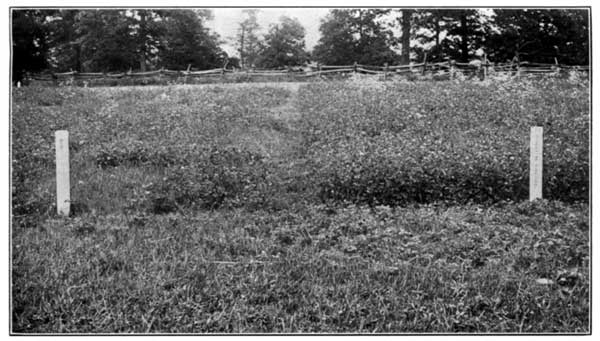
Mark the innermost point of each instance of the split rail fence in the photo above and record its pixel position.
(445, 70)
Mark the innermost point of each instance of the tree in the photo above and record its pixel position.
(356, 35)
(113, 40)
(247, 41)
(540, 35)
(337, 43)
(29, 42)
(65, 50)
(106, 41)
(465, 33)
(283, 44)
(187, 41)
(405, 38)
(428, 27)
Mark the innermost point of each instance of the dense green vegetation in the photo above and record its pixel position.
(110, 40)
(431, 269)
(325, 207)
(424, 143)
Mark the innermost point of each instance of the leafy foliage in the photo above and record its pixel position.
(540, 35)
(187, 42)
(283, 45)
(229, 209)
(465, 34)
(355, 35)
(247, 41)
(456, 142)
(145, 39)
(115, 40)
(220, 177)
(29, 42)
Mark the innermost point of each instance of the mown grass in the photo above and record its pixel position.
(228, 209)
(353, 269)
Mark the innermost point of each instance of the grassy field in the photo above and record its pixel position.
(351, 206)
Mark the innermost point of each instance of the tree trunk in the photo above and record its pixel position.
(405, 57)
(142, 41)
(242, 61)
(142, 62)
(438, 53)
(78, 58)
(464, 39)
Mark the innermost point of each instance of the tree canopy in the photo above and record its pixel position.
(147, 39)
(541, 35)
(355, 35)
(537, 35)
(29, 42)
(186, 41)
(112, 40)
(284, 44)
(247, 42)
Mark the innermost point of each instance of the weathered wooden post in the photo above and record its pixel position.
(536, 163)
(518, 60)
(72, 77)
(452, 69)
(512, 62)
(319, 69)
(385, 70)
(63, 195)
(355, 67)
(424, 63)
(187, 72)
(485, 68)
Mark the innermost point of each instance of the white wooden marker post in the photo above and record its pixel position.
(535, 163)
(63, 196)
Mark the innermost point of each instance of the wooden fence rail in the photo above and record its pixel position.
(484, 68)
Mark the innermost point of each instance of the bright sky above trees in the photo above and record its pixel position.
(225, 22)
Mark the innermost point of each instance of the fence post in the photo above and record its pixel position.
(536, 163)
(355, 67)
(424, 63)
(319, 69)
(512, 61)
(516, 58)
(187, 71)
(485, 68)
(385, 70)
(63, 196)
(452, 69)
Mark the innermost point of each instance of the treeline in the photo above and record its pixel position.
(535, 35)
(112, 40)
(150, 39)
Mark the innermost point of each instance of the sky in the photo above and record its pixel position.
(226, 20)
